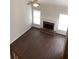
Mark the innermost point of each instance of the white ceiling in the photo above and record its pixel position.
(57, 2)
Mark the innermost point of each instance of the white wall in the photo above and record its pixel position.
(21, 18)
(51, 13)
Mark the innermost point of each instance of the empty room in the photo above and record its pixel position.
(39, 29)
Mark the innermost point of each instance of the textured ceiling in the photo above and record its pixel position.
(56, 2)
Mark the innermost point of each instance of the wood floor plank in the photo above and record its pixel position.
(35, 44)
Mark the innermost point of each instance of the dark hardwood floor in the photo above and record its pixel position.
(35, 44)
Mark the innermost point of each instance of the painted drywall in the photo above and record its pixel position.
(51, 14)
(20, 19)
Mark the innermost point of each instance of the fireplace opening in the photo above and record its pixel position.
(48, 25)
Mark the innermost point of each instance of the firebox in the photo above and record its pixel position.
(48, 25)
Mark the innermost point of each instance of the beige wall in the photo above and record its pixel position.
(21, 18)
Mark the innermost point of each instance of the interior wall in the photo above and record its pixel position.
(51, 13)
(21, 18)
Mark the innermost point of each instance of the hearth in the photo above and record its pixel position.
(48, 28)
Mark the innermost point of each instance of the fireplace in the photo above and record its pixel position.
(48, 25)
(48, 28)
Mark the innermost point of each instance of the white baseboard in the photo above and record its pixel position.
(20, 34)
(61, 32)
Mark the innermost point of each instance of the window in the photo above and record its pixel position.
(63, 22)
(36, 17)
